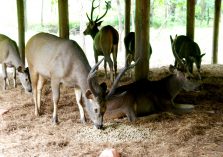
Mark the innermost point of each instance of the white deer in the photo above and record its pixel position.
(63, 61)
(9, 57)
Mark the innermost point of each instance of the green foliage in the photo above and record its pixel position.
(51, 28)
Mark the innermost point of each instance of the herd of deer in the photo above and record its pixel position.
(63, 61)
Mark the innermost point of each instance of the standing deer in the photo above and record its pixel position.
(63, 61)
(129, 42)
(105, 40)
(9, 57)
(186, 48)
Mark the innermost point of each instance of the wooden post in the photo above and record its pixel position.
(142, 38)
(63, 19)
(216, 31)
(127, 18)
(190, 18)
(21, 29)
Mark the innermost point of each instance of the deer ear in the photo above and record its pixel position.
(171, 39)
(175, 36)
(20, 69)
(202, 55)
(171, 68)
(89, 94)
(99, 23)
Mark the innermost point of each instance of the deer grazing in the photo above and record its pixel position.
(105, 41)
(9, 57)
(186, 48)
(129, 42)
(63, 61)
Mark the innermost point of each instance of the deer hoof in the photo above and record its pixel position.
(55, 120)
(83, 120)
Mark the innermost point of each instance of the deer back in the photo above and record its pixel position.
(55, 57)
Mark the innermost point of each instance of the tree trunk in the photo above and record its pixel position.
(127, 18)
(21, 29)
(216, 30)
(83, 24)
(120, 24)
(190, 18)
(142, 38)
(63, 19)
(42, 8)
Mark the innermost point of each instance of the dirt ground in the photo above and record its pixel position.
(198, 133)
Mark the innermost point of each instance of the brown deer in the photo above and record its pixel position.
(143, 97)
(64, 62)
(9, 57)
(105, 41)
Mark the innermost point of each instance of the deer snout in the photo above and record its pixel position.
(99, 122)
(98, 126)
(29, 90)
(85, 32)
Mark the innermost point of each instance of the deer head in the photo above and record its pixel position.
(92, 26)
(100, 93)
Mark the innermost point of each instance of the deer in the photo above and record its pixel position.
(143, 97)
(129, 42)
(9, 57)
(62, 61)
(189, 50)
(105, 41)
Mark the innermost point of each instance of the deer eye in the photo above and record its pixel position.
(96, 110)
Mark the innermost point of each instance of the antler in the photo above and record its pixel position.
(120, 75)
(108, 5)
(96, 91)
(92, 10)
(180, 61)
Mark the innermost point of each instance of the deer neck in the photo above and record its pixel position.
(94, 32)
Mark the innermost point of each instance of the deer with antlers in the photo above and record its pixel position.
(144, 97)
(105, 41)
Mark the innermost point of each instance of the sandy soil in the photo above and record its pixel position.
(198, 133)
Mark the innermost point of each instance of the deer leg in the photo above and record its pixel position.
(115, 50)
(79, 103)
(55, 85)
(34, 80)
(5, 77)
(14, 77)
(172, 102)
(110, 63)
(131, 115)
(105, 67)
(40, 84)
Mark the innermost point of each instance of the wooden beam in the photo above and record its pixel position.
(216, 30)
(21, 29)
(127, 17)
(63, 19)
(190, 18)
(142, 38)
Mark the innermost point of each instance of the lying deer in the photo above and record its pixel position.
(63, 61)
(143, 97)
(186, 48)
(105, 41)
(9, 57)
